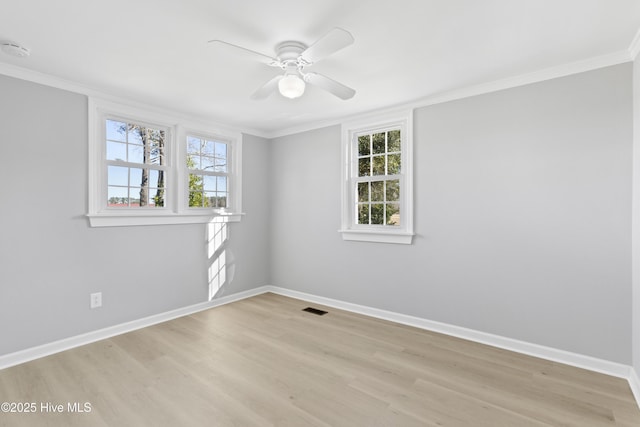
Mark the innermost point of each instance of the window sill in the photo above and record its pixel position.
(127, 219)
(397, 237)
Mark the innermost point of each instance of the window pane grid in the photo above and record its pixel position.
(207, 155)
(202, 198)
(377, 185)
(378, 202)
(379, 153)
(136, 165)
(207, 161)
(135, 187)
(134, 143)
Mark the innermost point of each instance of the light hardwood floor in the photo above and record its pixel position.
(262, 361)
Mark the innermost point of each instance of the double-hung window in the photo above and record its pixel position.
(136, 164)
(148, 168)
(377, 179)
(208, 167)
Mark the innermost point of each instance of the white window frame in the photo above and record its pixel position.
(351, 230)
(175, 210)
(234, 154)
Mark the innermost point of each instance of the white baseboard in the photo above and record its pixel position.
(561, 356)
(548, 353)
(23, 356)
(634, 383)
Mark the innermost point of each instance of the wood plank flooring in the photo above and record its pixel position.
(263, 361)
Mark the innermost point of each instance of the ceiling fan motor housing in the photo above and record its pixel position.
(293, 56)
(289, 51)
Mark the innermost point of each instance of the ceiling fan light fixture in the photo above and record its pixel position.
(291, 86)
(293, 58)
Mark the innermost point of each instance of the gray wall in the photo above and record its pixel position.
(522, 204)
(522, 213)
(636, 217)
(51, 260)
(248, 241)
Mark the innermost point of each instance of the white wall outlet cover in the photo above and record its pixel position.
(96, 300)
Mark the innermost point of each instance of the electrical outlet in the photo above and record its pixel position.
(96, 300)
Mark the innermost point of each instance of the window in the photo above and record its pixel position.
(144, 169)
(207, 162)
(377, 180)
(136, 164)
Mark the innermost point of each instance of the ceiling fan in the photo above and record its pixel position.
(293, 57)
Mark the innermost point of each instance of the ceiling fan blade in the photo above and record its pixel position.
(264, 58)
(267, 89)
(333, 41)
(332, 86)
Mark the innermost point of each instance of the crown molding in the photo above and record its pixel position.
(564, 70)
(70, 86)
(550, 73)
(47, 80)
(634, 47)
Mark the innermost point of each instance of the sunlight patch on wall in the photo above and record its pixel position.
(217, 236)
(217, 274)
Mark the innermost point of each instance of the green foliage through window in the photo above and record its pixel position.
(207, 161)
(378, 184)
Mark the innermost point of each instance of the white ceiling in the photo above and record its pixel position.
(156, 51)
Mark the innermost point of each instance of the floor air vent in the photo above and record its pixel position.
(315, 311)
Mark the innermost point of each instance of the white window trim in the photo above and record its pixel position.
(234, 145)
(371, 233)
(176, 210)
